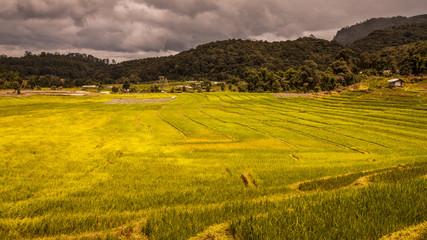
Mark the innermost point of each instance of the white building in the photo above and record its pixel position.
(395, 82)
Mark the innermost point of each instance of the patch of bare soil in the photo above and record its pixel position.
(139, 100)
(294, 157)
(248, 180)
(215, 232)
(128, 231)
(138, 122)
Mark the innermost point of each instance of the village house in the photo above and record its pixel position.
(395, 82)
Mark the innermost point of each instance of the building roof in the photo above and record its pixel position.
(395, 80)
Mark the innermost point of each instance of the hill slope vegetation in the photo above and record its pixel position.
(349, 35)
(305, 64)
(391, 37)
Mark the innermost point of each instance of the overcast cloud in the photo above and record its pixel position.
(129, 29)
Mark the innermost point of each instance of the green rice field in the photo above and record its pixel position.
(213, 166)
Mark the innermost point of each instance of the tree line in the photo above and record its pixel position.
(305, 64)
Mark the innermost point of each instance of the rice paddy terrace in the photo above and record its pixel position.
(213, 166)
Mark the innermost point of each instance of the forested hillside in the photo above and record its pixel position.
(46, 69)
(222, 59)
(410, 59)
(390, 37)
(305, 64)
(216, 60)
(351, 34)
(72, 65)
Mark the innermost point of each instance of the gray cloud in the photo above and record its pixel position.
(144, 27)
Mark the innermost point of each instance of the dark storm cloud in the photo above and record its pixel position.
(167, 26)
(183, 7)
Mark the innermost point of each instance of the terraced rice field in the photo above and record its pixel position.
(213, 166)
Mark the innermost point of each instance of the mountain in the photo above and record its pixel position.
(218, 60)
(348, 35)
(71, 65)
(390, 37)
(215, 60)
(400, 49)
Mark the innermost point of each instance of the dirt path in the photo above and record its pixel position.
(27, 93)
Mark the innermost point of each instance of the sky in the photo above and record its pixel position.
(134, 29)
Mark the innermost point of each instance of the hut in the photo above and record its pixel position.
(395, 82)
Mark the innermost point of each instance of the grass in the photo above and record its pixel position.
(417, 232)
(212, 166)
(366, 213)
(387, 175)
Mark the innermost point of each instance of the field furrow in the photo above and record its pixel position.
(219, 165)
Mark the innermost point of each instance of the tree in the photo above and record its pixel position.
(259, 80)
(308, 77)
(12, 80)
(32, 81)
(49, 80)
(242, 86)
(222, 85)
(207, 85)
(276, 87)
(418, 64)
(328, 82)
(133, 78)
(126, 85)
(154, 88)
(342, 72)
(17, 87)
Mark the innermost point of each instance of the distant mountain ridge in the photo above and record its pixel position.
(401, 49)
(348, 35)
(391, 37)
(220, 59)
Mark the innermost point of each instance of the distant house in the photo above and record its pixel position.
(395, 82)
(387, 72)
